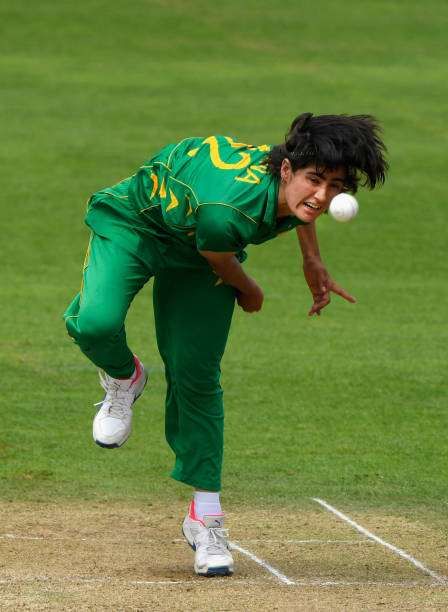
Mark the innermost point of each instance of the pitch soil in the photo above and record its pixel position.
(96, 556)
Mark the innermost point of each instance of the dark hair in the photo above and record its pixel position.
(332, 141)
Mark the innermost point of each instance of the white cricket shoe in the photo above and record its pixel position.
(112, 422)
(208, 539)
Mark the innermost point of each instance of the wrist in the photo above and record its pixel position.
(311, 258)
(251, 286)
(231, 272)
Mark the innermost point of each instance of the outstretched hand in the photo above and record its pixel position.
(321, 285)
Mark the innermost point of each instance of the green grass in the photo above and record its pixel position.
(351, 406)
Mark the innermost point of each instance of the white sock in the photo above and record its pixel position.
(206, 503)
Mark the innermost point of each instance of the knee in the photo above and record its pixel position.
(202, 378)
(89, 329)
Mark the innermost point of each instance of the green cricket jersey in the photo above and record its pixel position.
(210, 194)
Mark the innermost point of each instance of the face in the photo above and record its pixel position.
(307, 192)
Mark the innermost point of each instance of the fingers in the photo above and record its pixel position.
(250, 302)
(322, 300)
(319, 303)
(343, 293)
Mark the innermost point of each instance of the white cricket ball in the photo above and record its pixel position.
(343, 207)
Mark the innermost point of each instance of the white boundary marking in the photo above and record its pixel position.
(397, 551)
(263, 564)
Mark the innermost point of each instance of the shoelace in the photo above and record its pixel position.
(217, 540)
(118, 399)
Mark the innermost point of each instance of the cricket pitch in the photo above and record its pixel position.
(102, 556)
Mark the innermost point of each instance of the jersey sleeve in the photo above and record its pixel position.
(222, 228)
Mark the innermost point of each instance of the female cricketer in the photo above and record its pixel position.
(185, 218)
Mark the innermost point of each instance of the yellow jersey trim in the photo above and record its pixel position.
(178, 145)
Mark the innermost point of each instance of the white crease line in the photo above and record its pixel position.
(56, 538)
(109, 579)
(345, 542)
(106, 580)
(225, 579)
(11, 536)
(398, 551)
(311, 582)
(153, 582)
(339, 583)
(143, 540)
(263, 564)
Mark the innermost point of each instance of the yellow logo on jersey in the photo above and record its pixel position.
(250, 176)
(156, 184)
(221, 164)
(173, 203)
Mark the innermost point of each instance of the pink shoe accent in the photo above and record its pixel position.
(138, 371)
(192, 513)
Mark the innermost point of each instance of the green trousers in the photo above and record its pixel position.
(193, 312)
